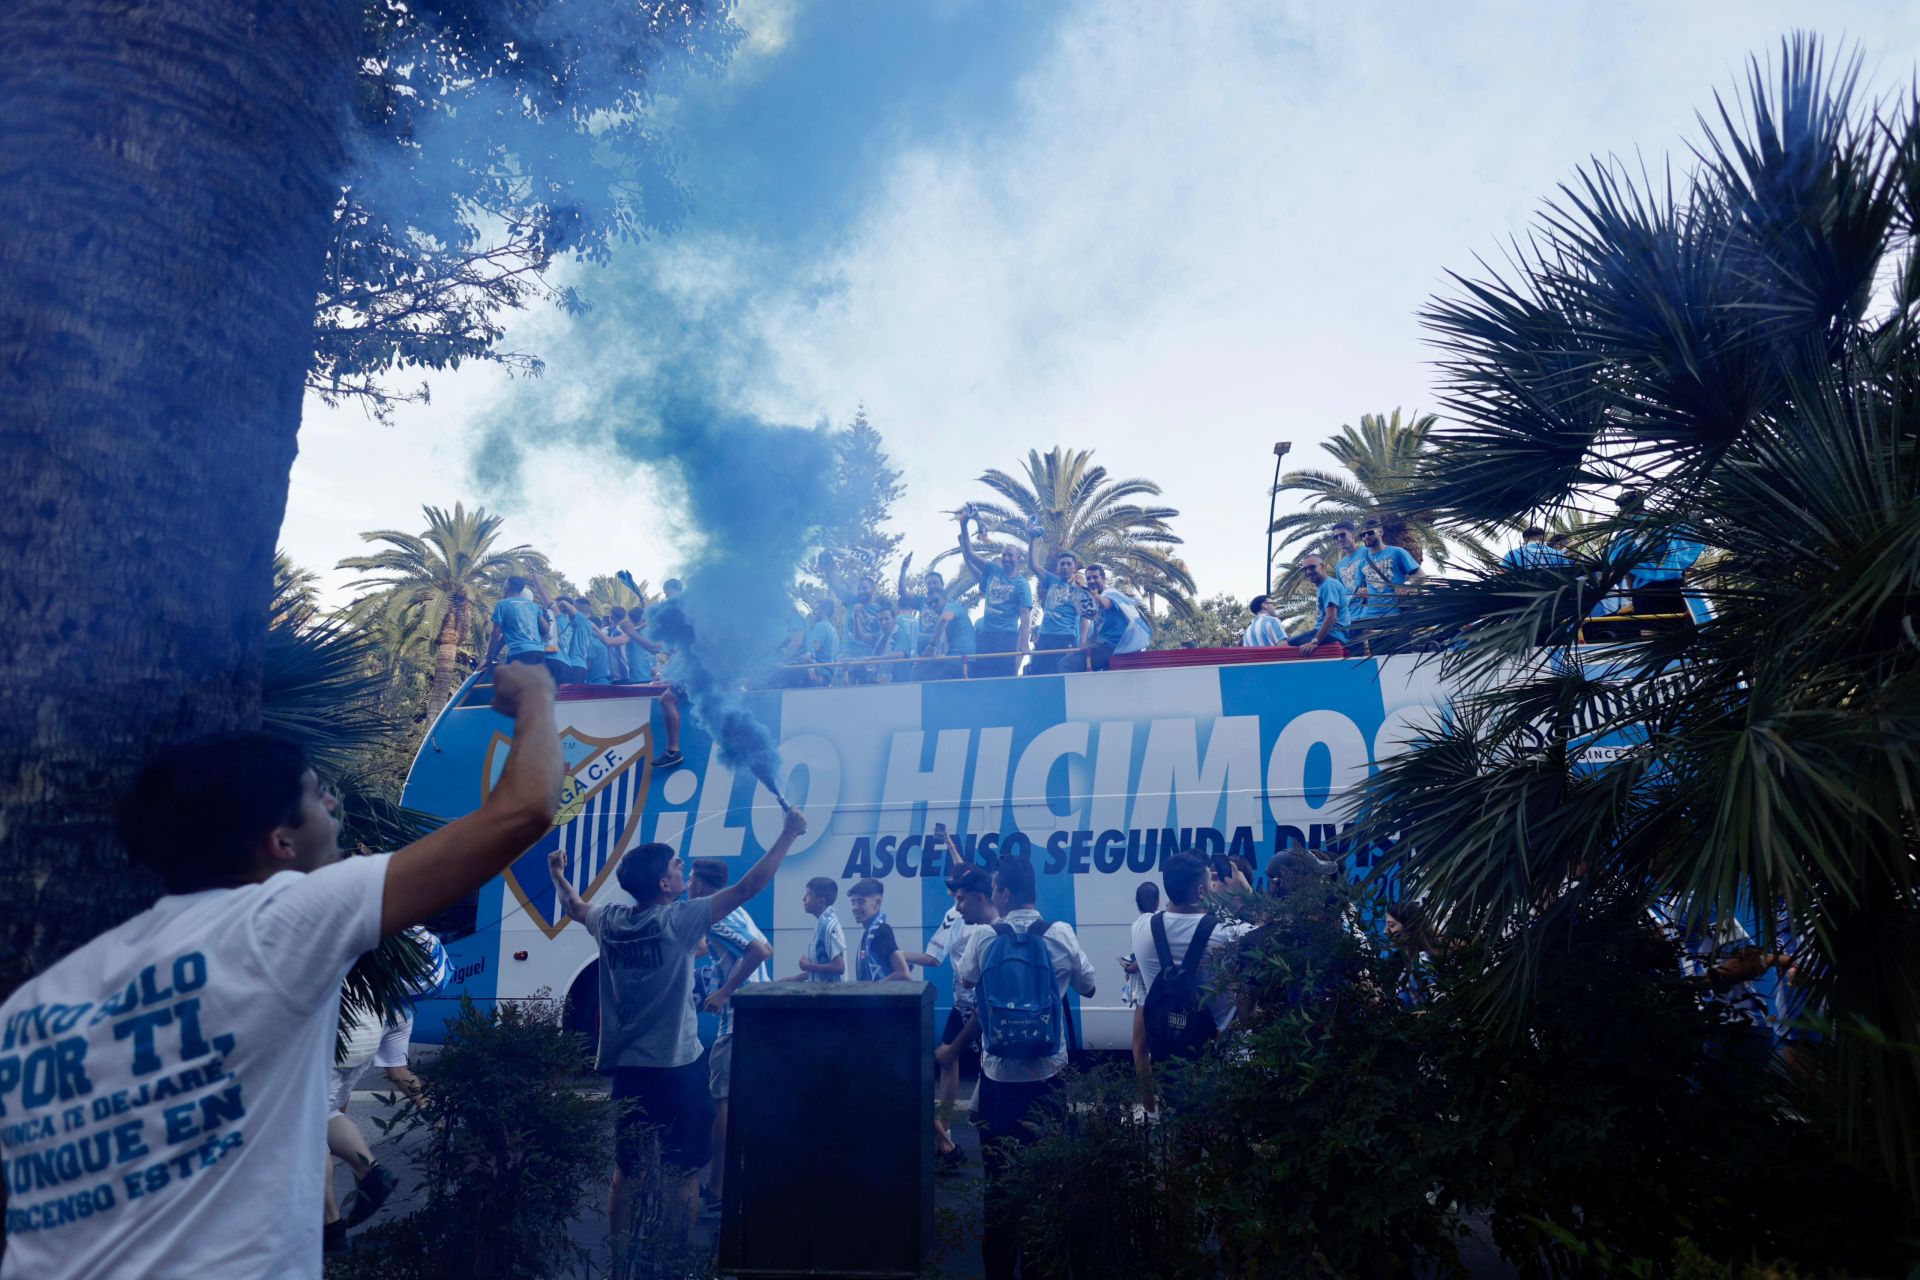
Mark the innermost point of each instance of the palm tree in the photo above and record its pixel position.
(607, 591)
(321, 687)
(437, 584)
(154, 357)
(1741, 347)
(1080, 509)
(1378, 463)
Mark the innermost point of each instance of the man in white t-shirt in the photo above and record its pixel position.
(1012, 1088)
(1186, 879)
(163, 1089)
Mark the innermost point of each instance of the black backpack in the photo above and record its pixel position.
(1179, 1024)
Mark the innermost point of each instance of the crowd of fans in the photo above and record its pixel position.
(1041, 615)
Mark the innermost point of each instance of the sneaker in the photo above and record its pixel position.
(671, 760)
(372, 1192)
(949, 1162)
(333, 1240)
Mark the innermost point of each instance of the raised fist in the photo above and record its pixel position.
(520, 684)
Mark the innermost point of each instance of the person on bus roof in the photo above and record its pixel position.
(1008, 615)
(1062, 593)
(1265, 631)
(517, 628)
(946, 637)
(1331, 608)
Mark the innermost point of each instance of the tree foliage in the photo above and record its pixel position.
(1337, 1131)
(494, 141)
(866, 484)
(1214, 623)
(510, 1154)
(1080, 508)
(432, 590)
(1738, 346)
(1378, 465)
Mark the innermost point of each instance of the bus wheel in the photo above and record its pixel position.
(582, 1011)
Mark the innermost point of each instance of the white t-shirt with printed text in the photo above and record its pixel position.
(163, 1090)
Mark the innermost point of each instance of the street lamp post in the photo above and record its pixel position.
(1280, 448)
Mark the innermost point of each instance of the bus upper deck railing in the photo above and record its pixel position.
(954, 666)
(854, 672)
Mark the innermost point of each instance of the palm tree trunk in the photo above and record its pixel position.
(446, 655)
(165, 193)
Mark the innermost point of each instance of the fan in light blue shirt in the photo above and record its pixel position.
(1386, 570)
(1534, 553)
(1331, 604)
(516, 626)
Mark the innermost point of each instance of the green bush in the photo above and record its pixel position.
(513, 1152)
(1307, 1144)
(1618, 1113)
(1612, 1126)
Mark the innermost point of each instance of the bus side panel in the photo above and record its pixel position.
(1096, 777)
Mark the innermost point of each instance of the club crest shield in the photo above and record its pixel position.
(602, 796)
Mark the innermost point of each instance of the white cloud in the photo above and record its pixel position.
(768, 26)
(1211, 228)
(1202, 228)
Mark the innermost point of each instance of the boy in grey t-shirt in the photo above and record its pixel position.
(649, 1033)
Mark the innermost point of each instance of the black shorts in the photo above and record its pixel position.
(955, 1024)
(560, 671)
(677, 1102)
(530, 658)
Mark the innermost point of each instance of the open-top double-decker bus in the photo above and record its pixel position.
(1097, 776)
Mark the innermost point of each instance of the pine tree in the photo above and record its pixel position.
(866, 485)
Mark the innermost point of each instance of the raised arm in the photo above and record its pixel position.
(1033, 558)
(975, 565)
(830, 571)
(760, 874)
(900, 588)
(439, 869)
(572, 905)
(494, 643)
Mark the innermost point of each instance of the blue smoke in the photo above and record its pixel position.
(757, 493)
(641, 376)
(644, 369)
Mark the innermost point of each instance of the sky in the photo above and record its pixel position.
(1173, 234)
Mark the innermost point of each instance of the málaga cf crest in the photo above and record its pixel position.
(601, 799)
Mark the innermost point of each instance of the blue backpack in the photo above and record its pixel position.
(1020, 1011)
